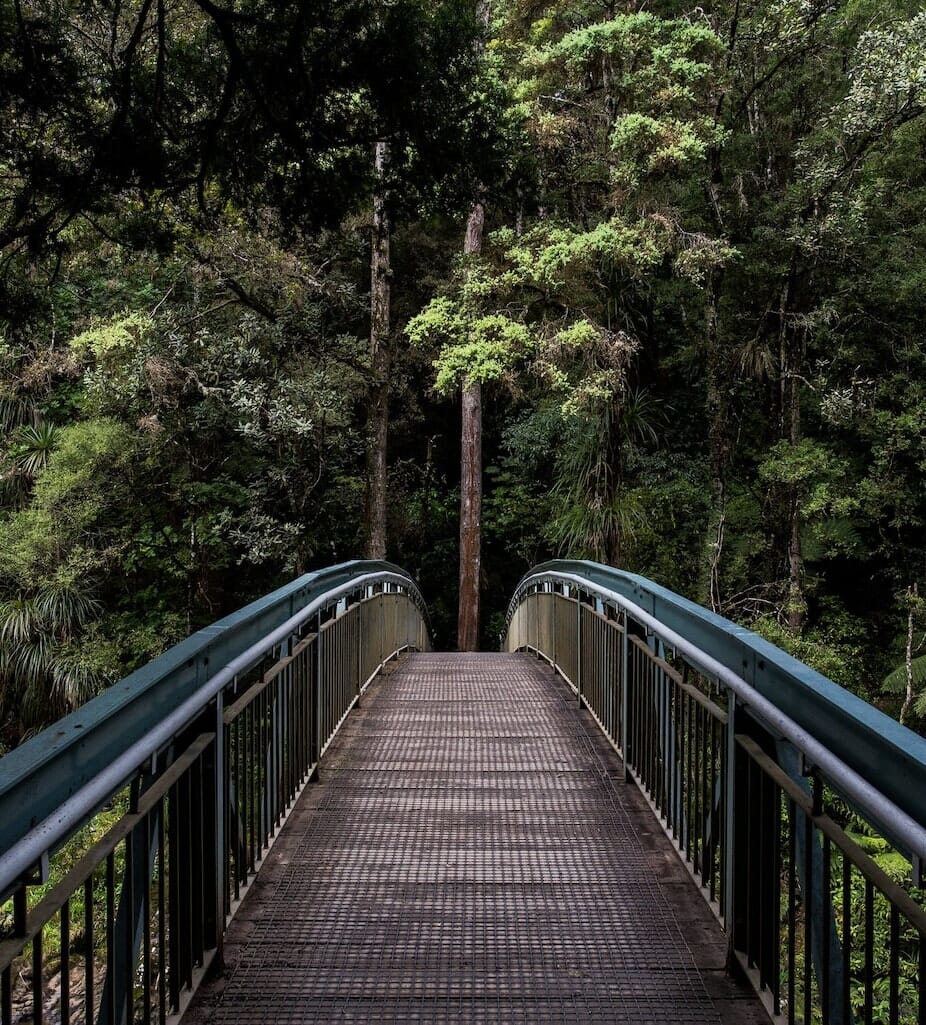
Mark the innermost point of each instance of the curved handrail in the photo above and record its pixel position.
(64, 773)
(887, 756)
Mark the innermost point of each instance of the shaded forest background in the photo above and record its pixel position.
(695, 317)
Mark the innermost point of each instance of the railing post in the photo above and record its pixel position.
(382, 634)
(579, 646)
(359, 609)
(553, 604)
(729, 824)
(316, 663)
(533, 626)
(625, 695)
(220, 796)
(745, 821)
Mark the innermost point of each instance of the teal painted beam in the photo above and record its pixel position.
(41, 774)
(877, 747)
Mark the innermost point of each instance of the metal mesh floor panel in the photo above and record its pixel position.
(472, 854)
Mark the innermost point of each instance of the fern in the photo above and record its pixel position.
(896, 681)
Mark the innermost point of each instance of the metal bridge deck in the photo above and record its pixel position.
(471, 854)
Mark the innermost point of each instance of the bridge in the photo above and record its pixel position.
(637, 812)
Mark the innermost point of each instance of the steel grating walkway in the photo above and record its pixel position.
(471, 854)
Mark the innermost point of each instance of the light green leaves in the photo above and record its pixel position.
(120, 335)
(473, 348)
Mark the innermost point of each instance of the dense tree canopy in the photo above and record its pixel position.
(696, 315)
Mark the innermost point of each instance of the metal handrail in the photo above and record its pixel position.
(899, 807)
(25, 842)
(202, 784)
(745, 791)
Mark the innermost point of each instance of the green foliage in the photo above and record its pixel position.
(697, 315)
(474, 348)
(53, 555)
(834, 646)
(896, 682)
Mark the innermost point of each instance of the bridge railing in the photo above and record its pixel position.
(195, 761)
(766, 776)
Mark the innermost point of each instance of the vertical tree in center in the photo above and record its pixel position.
(380, 361)
(471, 458)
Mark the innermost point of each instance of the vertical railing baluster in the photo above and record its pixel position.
(792, 906)
(774, 902)
(869, 940)
(109, 992)
(38, 974)
(146, 930)
(89, 947)
(729, 819)
(825, 889)
(6, 996)
(163, 911)
(894, 967)
(127, 900)
(65, 969)
(625, 697)
(847, 938)
(808, 916)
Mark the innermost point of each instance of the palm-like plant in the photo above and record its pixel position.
(596, 511)
(42, 677)
(29, 447)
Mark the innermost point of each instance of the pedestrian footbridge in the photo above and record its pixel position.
(637, 812)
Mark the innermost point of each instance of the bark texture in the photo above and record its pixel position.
(468, 617)
(718, 446)
(470, 519)
(380, 363)
(795, 560)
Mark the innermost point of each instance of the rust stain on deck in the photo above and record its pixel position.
(472, 854)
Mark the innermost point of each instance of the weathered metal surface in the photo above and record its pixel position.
(889, 756)
(472, 854)
(40, 776)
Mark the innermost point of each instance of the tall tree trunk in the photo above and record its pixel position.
(471, 481)
(717, 444)
(795, 560)
(789, 393)
(913, 599)
(380, 363)
(468, 618)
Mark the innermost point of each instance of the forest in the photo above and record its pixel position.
(465, 286)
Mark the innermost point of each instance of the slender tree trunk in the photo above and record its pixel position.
(912, 596)
(789, 394)
(717, 445)
(468, 617)
(795, 560)
(380, 363)
(471, 481)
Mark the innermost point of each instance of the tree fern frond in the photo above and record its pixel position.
(919, 705)
(896, 681)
